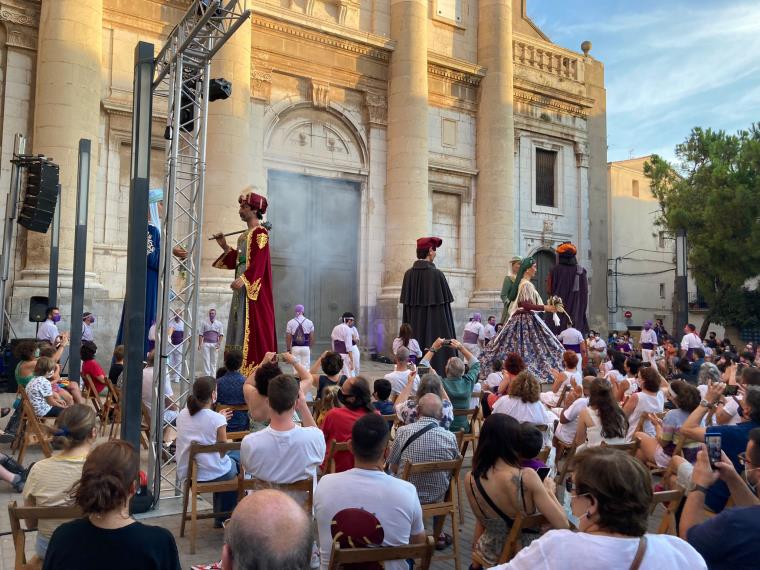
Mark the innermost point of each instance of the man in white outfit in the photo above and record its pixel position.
(88, 319)
(299, 337)
(209, 340)
(648, 343)
(490, 329)
(176, 336)
(474, 335)
(355, 354)
(342, 338)
(690, 341)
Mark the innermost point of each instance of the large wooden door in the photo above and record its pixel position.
(315, 236)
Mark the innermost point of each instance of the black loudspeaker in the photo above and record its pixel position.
(40, 196)
(38, 307)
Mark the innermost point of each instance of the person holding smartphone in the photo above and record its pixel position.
(721, 548)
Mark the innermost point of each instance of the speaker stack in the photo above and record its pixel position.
(40, 196)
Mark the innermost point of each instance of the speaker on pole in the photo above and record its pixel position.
(38, 307)
(40, 196)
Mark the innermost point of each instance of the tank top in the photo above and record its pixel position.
(646, 404)
(23, 380)
(594, 437)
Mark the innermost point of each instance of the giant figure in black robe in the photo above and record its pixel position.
(427, 299)
(569, 281)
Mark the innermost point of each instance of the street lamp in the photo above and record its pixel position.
(681, 315)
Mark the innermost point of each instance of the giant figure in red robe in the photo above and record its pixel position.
(250, 328)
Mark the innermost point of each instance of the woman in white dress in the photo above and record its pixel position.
(650, 400)
(570, 376)
(602, 421)
(525, 333)
(405, 339)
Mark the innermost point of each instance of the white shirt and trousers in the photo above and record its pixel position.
(212, 334)
(355, 351)
(342, 343)
(302, 354)
(474, 334)
(648, 343)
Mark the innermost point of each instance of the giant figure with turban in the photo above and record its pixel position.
(251, 328)
(568, 280)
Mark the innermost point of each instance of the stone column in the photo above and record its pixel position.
(407, 200)
(67, 108)
(229, 153)
(494, 213)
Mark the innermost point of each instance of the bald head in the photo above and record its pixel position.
(430, 406)
(267, 530)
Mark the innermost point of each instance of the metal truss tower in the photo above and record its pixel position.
(182, 77)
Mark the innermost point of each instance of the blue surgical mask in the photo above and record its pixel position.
(56, 318)
(37, 353)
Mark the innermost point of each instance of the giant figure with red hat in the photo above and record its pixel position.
(427, 300)
(251, 328)
(569, 281)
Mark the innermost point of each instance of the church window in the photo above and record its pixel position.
(546, 162)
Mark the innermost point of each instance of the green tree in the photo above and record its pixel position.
(713, 192)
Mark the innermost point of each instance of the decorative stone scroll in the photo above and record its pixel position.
(320, 94)
(377, 108)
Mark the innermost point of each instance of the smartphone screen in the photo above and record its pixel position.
(731, 390)
(543, 472)
(713, 448)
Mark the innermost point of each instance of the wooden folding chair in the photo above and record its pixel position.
(673, 499)
(562, 395)
(92, 394)
(305, 486)
(16, 514)
(568, 459)
(145, 427)
(31, 429)
(192, 488)
(448, 506)
(512, 543)
(111, 415)
(344, 556)
(234, 435)
(335, 447)
(470, 435)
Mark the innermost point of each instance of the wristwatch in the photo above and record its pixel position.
(706, 404)
(702, 489)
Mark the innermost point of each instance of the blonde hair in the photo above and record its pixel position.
(329, 401)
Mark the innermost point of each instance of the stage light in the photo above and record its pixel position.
(219, 89)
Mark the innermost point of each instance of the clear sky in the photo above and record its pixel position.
(670, 65)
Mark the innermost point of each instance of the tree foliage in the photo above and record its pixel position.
(713, 192)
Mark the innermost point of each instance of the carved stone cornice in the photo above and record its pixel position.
(261, 84)
(321, 37)
(21, 22)
(549, 97)
(377, 108)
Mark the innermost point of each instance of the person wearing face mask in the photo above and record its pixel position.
(648, 343)
(88, 319)
(49, 329)
(209, 340)
(732, 538)
(176, 336)
(610, 494)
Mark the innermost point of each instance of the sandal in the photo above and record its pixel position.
(443, 541)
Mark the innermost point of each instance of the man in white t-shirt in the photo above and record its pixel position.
(284, 452)
(490, 329)
(595, 343)
(473, 336)
(342, 338)
(400, 374)
(648, 343)
(572, 339)
(568, 418)
(690, 341)
(365, 497)
(299, 337)
(210, 338)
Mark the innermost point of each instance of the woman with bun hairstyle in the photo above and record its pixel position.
(106, 536)
(50, 480)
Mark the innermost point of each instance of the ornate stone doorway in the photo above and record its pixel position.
(315, 237)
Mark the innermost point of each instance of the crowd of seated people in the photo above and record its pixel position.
(602, 509)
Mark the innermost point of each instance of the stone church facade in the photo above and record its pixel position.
(368, 123)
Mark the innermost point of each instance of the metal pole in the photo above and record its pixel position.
(137, 269)
(54, 239)
(11, 204)
(80, 257)
(681, 284)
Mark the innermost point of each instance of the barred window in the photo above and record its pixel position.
(546, 161)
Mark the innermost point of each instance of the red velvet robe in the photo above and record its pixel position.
(259, 333)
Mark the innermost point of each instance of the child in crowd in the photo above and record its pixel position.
(531, 444)
(329, 401)
(381, 397)
(45, 401)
